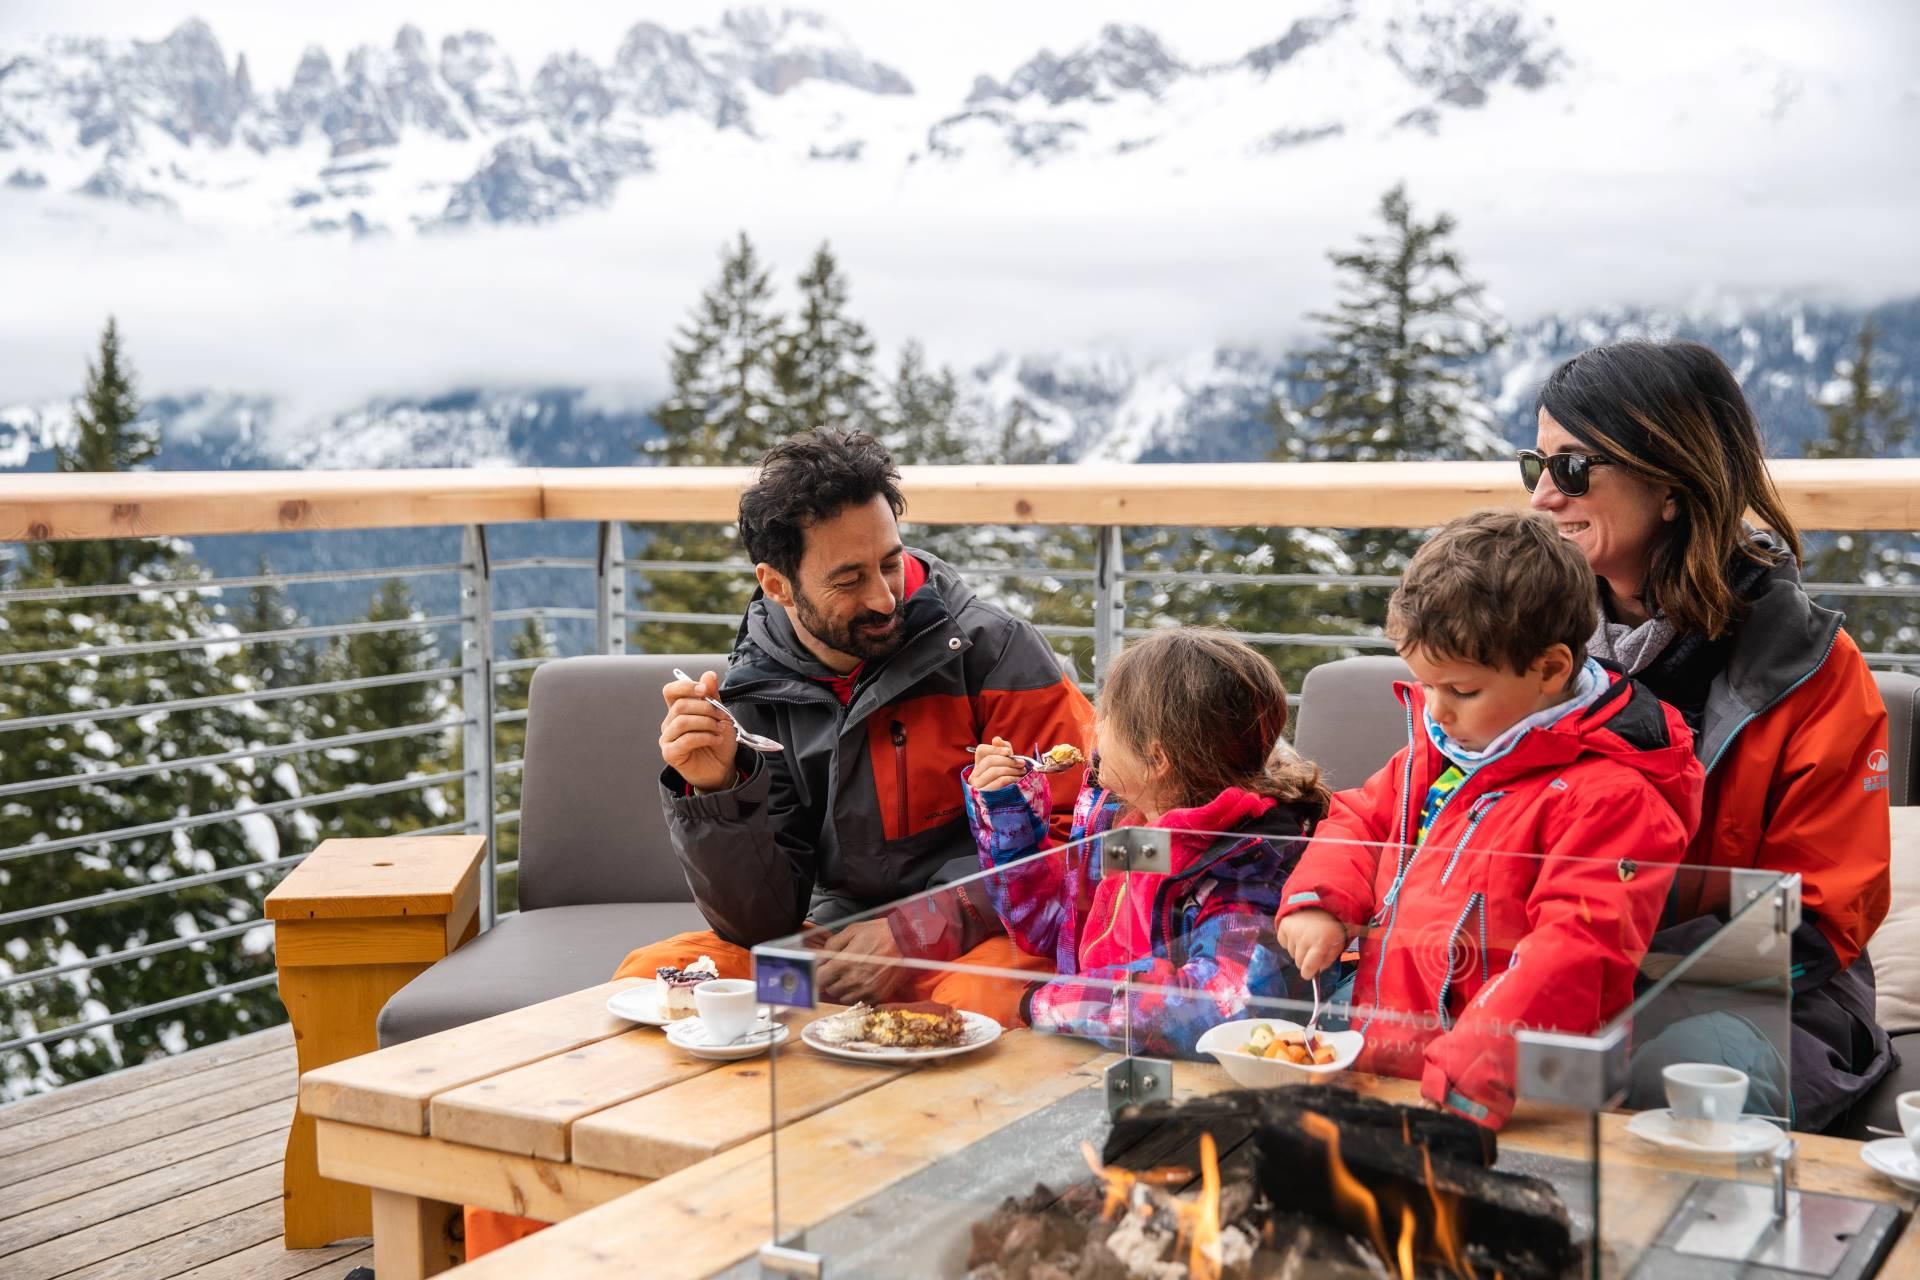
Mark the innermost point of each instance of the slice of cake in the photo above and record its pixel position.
(679, 984)
(926, 1024)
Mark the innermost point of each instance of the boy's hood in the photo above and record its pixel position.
(1627, 724)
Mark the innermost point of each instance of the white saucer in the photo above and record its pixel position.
(692, 1035)
(647, 1004)
(1749, 1136)
(1894, 1157)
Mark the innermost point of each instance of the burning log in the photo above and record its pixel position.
(1415, 1187)
(1168, 1133)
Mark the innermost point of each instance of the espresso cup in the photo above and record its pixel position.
(728, 1007)
(1705, 1095)
(1908, 1106)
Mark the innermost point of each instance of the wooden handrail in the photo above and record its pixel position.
(1822, 494)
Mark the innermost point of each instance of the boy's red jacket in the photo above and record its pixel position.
(1530, 902)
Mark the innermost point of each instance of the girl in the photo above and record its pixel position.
(1187, 728)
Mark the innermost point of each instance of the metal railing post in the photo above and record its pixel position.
(476, 703)
(1109, 599)
(610, 591)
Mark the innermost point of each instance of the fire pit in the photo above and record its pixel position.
(1306, 1182)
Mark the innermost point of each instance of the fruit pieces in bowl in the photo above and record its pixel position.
(1259, 1069)
(1297, 1047)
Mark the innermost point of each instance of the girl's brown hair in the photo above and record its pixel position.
(1216, 710)
(1673, 414)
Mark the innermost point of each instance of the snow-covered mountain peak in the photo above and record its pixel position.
(1120, 60)
(777, 52)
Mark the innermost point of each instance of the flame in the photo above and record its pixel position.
(1446, 1222)
(1118, 1182)
(1360, 1209)
(1196, 1220)
(1405, 1252)
(1350, 1195)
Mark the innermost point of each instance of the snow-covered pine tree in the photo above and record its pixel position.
(1392, 370)
(725, 409)
(35, 812)
(1391, 379)
(824, 362)
(1866, 419)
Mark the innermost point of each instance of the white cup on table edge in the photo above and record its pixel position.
(1907, 1105)
(1704, 1096)
(728, 1007)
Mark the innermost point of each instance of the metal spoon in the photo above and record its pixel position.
(1306, 1037)
(1039, 764)
(751, 741)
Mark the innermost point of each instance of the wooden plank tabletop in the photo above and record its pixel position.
(663, 1132)
(392, 876)
(711, 1215)
(531, 1110)
(393, 1089)
(715, 1213)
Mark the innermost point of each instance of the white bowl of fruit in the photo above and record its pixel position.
(1261, 1053)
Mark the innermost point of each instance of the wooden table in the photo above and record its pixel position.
(564, 1112)
(355, 922)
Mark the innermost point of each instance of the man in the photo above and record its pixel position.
(877, 669)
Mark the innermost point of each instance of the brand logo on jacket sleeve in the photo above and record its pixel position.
(1877, 766)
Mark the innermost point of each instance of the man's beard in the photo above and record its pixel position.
(858, 637)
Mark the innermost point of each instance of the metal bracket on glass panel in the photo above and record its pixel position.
(1589, 1072)
(784, 978)
(1131, 1081)
(1724, 1230)
(1746, 885)
(784, 1260)
(1137, 849)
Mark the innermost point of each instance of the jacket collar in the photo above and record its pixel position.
(1783, 640)
(769, 662)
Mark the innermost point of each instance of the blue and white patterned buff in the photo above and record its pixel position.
(1592, 683)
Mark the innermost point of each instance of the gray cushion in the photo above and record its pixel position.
(527, 958)
(1350, 724)
(1901, 692)
(591, 829)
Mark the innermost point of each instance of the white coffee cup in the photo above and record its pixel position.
(1705, 1094)
(1908, 1107)
(727, 1007)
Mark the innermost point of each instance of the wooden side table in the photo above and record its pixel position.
(354, 923)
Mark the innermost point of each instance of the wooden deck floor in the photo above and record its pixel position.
(167, 1170)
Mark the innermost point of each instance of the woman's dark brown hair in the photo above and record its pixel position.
(1216, 709)
(1673, 414)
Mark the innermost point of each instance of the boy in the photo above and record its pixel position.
(1533, 819)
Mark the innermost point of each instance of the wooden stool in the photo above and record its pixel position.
(355, 922)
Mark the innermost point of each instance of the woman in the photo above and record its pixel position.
(1648, 459)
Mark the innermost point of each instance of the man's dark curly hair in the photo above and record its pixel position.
(807, 479)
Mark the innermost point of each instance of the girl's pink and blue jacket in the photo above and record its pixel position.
(1199, 937)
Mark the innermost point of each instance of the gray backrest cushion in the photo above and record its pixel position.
(591, 829)
(1349, 722)
(1901, 692)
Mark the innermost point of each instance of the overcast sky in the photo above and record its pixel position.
(1628, 207)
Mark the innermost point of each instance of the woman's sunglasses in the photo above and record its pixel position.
(1572, 472)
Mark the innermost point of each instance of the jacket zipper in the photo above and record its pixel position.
(1446, 983)
(899, 730)
(1474, 817)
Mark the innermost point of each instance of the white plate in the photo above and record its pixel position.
(643, 1003)
(1894, 1157)
(1750, 1136)
(691, 1035)
(980, 1031)
(1226, 1043)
